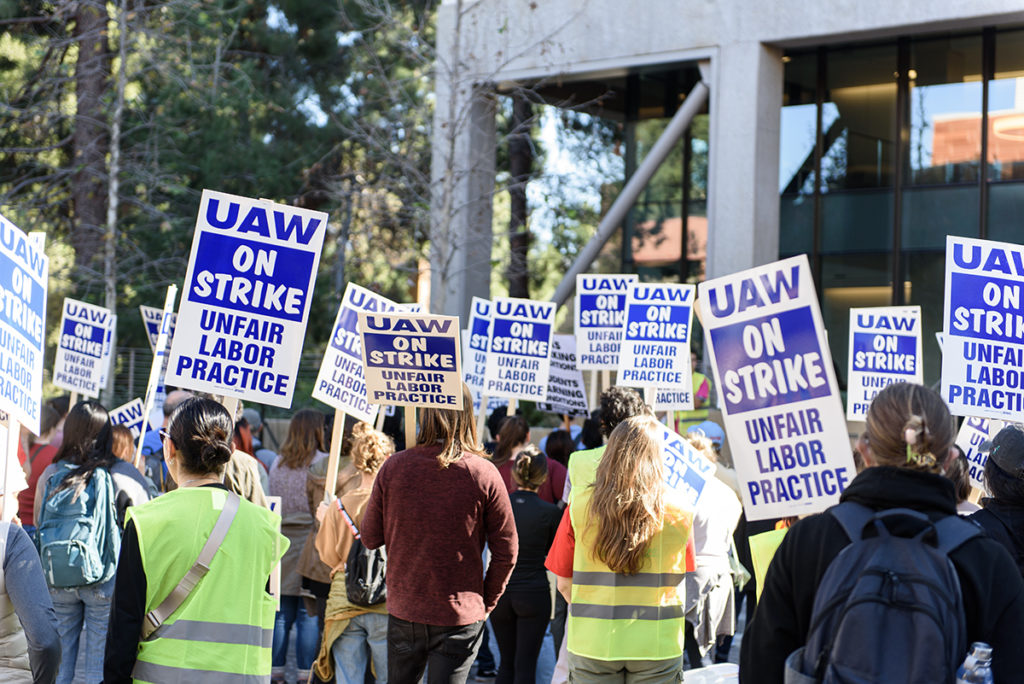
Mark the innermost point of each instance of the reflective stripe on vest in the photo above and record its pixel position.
(218, 633)
(614, 579)
(589, 610)
(168, 674)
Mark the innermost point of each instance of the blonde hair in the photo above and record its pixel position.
(703, 444)
(909, 426)
(530, 467)
(369, 448)
(628, 502)
(454, 429)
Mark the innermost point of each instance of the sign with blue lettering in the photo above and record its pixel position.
(518, 358)
(780, 400)
(973, 433)
(412, 359)
(566, 395)
(151, 317)
(477, 340)
(686, 469)
(341, 382)
(246, 298)
(130, 415)
(656, 336)
(23, 277)
(83, 350)
(885, 347)
(600, 312)
(983, 350)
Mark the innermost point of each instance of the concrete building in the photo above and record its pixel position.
(858, 132)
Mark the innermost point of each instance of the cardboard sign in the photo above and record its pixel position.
(686, 469)
(24, 268)
(518, 359)
(475, 342)
(131, 416)
(983, 326)
(412, 359)
(780, 399)
(600, 314)
(246, 298)
(885, 347)
(566, 393)
(673, 399)
(341, 383)
(83, 350)
(973, 433)
(656, 337)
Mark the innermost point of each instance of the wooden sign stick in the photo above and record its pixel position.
(481, 418)
(10, 499)
(510, 410)
(379, 424)
(410, 427)
(331, 482)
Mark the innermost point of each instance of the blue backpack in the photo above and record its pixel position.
(888, 608)
(77, 533)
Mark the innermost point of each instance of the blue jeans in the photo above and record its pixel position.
(89, 605)
(307, 643)
(350, 655)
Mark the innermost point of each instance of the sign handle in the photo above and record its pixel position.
(159, 354)
(10, 503)
(566, 422)
(231, 405)
(593, 389)
(510, 410)
(650, 396)
(379, 425)
(332, 461)
(73, 400)
(410, 426)
(481, 417)
(606, 378)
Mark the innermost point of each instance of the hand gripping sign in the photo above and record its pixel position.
(780, 399)
(83, 350)
(885, 347)
(566, 395)
(518, 360)
(600, 312)
(656, 337)
(983, 327)
(246, 298)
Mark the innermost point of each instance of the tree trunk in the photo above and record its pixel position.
(88, 186)
(520, 162)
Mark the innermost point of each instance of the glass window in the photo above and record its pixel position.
(798, 126)
(1006, 109)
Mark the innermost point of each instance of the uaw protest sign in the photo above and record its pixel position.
(885, 347)
(566, 393)
(983, 329)
(780, 399)
(478, 338)
(83, 349)
(519, 357)
(246, 298)
(973, 433)
(130, 415)
(686, 470)
(656, 337)
(23, 278)
(600, 311)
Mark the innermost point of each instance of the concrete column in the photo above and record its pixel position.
(743, 183)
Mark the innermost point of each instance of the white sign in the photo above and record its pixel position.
(475, 343)
(983, 326)
(23, 279)
(412, 359)
(566, 394)
(341, 382)
(600, 313)
(518, 360)
(83, 349)
(151, 317)
(973, 433)
(246, 298)
(780, 399)
(656, 337)
(885, 347)
(673, 399)
(686, 470)
(131, 416)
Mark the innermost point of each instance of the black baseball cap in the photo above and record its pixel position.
(1007, 450)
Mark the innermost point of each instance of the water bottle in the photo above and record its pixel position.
(977, 666)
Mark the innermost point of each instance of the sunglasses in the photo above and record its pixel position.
(165, 436)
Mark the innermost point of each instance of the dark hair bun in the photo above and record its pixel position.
(213, 452)
(201, 430)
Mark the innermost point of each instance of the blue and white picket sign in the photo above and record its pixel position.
(518, 359)
(475, 343)
(600, 313)
(151, 318)
(412, 359)
(673, 398)
(566, 393)
(83, 348)
(656, 336)
(885, 347)
(973, 433)
(108, 352)
(780, 400)
(341, 383)
(23, 278)
(983, 326)
(131, 416)
(246, 298)
(686, 470)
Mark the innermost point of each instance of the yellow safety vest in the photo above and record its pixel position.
(686, 419)
(583, 469)
(224, 630)
(628, 617)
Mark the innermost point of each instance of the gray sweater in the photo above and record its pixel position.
(27, 590)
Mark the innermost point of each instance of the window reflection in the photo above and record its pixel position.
(1006, 109)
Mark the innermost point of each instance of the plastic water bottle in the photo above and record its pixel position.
(977, 666)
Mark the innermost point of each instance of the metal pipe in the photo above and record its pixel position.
(681, 120)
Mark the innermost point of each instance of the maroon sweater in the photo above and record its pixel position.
(435, 522)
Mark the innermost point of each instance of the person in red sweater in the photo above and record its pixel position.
(434, 507)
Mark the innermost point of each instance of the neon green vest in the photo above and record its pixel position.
(628, 617)
(224, 629)
(583, 469)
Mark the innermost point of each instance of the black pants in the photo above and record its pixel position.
(447, 653)
(519, 621)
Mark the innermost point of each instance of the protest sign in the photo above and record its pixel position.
(566, 395)
(600, 313)
(518, 359)
(246, 298)
(411, 359)
(23, 278)
(780, 399)
(159, 362)
(656, 337)
(13, 477)
(983, 327)
(108, 352)
(83, 347)
(341, 382)
(885, 347)
(686, 470)
(151, 319)
(475, 343)
(673, 399)
(131, 416)
(973, 433)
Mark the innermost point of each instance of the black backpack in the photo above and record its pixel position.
(365, 569)
(888, 608)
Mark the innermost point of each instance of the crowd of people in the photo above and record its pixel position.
(165, 572)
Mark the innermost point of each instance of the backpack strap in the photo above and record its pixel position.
(953, 532)
(155, 618)
(852, 517)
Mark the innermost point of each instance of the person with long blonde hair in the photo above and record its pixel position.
(620, 557)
